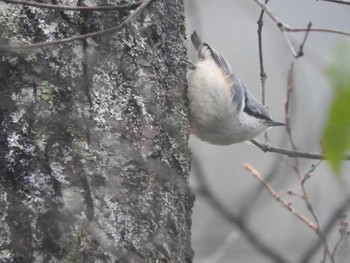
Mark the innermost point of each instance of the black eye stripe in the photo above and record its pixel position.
(254, 113)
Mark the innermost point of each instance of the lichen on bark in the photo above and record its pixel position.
(94, 155)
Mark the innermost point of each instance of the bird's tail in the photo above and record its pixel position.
(197, 42)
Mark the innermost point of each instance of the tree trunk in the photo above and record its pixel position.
(94, 159)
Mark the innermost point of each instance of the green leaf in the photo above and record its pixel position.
(336, 133)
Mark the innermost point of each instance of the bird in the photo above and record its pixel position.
(222, 109)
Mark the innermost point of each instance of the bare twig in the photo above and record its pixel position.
(291, 153)
(289, 42)
(320, 30)
(286, 28)
(314, 215)
(73, 8)
(301, 47)
(296, 166)
(263, 75)
(300, 52)
(292, 193)
(290, 89)
(344, 2)
(311, 250)
(344, 233)
(279, 199)
(130, 18)
(308, 173)
(232, 218)
(270, 175)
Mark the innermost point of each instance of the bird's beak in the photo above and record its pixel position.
(275, 123)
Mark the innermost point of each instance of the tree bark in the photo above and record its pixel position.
(94, 159)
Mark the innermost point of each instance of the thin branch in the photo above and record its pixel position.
(130, 18)
(279, 199)
(300, 53)
(263, 75)
(301, 47)
(344, 2)
(337, 244)
(292, 193)
(309, 173)
(309, 206)
(73, 8)
(290, 89)
(248, 203)
(289, 42)
(311, 250)
(233, 219)
(321, 30)
(284, 27)
(291, 153)
(296, 166)
(343, 231)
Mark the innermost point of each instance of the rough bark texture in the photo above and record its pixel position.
(94, 160)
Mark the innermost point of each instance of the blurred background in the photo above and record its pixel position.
(231, 28)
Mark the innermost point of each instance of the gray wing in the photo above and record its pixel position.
(238, 87)
(254, 107)
(207, 52)
(240, 91)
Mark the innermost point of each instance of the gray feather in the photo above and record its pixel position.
(207, 52)
(197, 42)
(254, 108)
